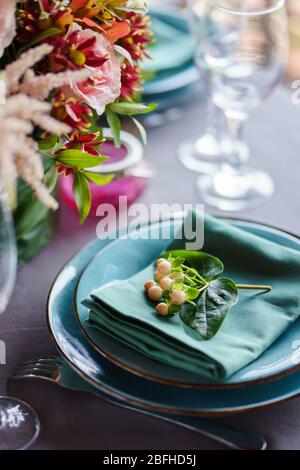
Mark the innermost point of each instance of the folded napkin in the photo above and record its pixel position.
(121, 309)
(173, 48)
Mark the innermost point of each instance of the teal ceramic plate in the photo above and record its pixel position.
(176, 78)
(110, 379)
(278, 360)
(176, 99)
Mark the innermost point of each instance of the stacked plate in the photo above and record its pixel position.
(121, 372)
(171, 76)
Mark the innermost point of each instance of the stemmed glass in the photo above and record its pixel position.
(19, 425)
(204, 152)
(244, 47)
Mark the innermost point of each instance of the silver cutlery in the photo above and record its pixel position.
(55, 370)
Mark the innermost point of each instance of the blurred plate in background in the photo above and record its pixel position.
(172, 63)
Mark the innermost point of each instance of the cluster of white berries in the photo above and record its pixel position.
(164, 283)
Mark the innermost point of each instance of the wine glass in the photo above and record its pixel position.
(204, 152)
(244, 47)
(19, 424)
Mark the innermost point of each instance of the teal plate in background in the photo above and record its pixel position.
(278, 360)
(110, 379)
(179, 70)
(175, 99)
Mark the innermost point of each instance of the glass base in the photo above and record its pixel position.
(232, 190)
(19, 424)
(205, 154)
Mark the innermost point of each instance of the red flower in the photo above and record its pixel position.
(36, 16)
(139, 38)
(88, 143)
(73, 51)
(71, 112)
(63, 170)
(130, 80)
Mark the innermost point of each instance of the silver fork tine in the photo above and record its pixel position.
(45, 368)
(38, 366)
(44, 360)
(36, 369)
(44, 375)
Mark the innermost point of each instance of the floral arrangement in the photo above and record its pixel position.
(63, 64)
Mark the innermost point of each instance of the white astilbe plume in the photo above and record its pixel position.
(24, 109)
(41, 86)
(14, 72)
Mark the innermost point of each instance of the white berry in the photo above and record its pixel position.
(166, 283)
(160, 260)
(158, 276)
(155, 293)
(162, 309)
(164, 268)
(149, 284)
(178, 297)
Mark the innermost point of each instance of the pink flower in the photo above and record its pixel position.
(84, 48)
(7, 23)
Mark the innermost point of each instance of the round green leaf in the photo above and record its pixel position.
(211, 308)
(209, 267)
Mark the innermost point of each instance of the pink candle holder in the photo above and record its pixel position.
(127, 162)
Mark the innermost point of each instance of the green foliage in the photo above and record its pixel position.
(115, 125)
(98, 178)
(77, 159)
(49, 143)
(30, 211)
(34, 223)
(131, 109)
(209, 298)
(82, 195)
(141, 129)
(209, 311)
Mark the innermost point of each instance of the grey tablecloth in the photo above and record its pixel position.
(77, 421)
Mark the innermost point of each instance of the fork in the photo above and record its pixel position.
(54, 369)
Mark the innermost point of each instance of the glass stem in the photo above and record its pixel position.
(211, 118)
(236, 132)
(215, 118)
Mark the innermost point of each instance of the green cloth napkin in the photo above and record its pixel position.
(173, 48)
(121, 309)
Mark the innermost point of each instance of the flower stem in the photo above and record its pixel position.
(194, 272)
(254, 287)
(203, 288)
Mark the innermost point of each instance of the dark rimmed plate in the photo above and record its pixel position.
(110, 379)
(278, 360)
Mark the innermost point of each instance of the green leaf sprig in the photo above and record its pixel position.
(79, 162)
(190, 283)
(131, 109)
